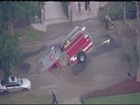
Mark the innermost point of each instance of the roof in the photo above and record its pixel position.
(12, 79)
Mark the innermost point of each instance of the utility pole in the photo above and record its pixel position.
(42, 16)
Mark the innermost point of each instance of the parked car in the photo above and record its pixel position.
(15, 84)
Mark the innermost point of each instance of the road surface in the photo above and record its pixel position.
(102, 68)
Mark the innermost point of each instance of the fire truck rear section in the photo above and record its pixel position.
(72, 50)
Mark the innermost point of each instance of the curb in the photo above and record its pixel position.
(40, 27)
(28, 43)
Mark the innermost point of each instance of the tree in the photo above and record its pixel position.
(9, 52)
(137, 29)
(11, 14)
(21, 11)
(123, 6)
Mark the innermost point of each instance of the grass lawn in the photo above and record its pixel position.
(119, 99)
(29, 34)
(25, 99)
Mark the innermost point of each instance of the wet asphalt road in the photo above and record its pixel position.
(81, 77)
(96, 51)
(68, 82)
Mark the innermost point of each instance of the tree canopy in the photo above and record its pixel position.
(11, 14)
(115, 11)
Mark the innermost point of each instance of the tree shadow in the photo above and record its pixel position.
(80, 67)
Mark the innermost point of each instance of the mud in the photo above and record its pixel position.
(104, 48)
(96, 73)
(80, 67)
(27, 55)
(56, 30)
(24, 66)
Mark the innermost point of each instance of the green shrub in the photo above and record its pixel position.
(116, 13)
(130, 10)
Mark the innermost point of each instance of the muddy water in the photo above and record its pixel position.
(26, 66)
(97, 50)
(97, 72)
(104, 48)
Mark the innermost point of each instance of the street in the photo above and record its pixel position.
(102, 68)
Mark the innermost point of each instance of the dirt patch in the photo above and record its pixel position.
(27, 55)
(107, 47)
(125, 35)
(80, 67)
(66, 28)
(25, 67)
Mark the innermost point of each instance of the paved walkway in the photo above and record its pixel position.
(39, 27)
(84, 13)
(54, 13)
(53, 10)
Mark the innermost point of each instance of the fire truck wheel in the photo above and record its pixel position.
(81, 57)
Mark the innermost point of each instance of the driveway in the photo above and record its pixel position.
(54, 13)
(53, 10)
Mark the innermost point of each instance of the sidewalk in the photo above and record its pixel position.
(73, 101)
(40, 27)
(85, 14)
(55, 15)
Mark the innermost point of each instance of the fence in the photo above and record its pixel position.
(126, 87)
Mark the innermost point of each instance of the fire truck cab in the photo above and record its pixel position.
(76, 44)
(72, 50)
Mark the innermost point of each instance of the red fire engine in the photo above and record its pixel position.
(72, 50)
